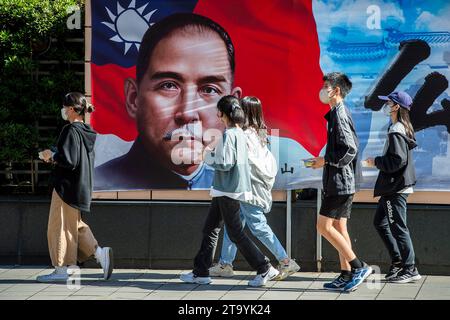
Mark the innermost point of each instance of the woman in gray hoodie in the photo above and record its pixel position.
(263, 169)
(231, 185)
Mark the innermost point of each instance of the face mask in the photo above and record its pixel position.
(64, 114)
(323, 96)
(387, 110)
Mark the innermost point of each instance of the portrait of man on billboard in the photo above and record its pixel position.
(158, 70)
(185, 64)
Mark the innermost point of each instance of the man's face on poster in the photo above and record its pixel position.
(176, 101)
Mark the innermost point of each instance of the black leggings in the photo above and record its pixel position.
(228, 210)
(390, 222)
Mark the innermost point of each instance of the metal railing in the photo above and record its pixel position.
(14, 177)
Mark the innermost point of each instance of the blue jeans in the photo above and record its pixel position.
(256, 220)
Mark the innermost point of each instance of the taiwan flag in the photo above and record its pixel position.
(277, 60)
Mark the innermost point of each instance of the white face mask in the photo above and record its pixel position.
(387, 110)
(64, 114)
(324, 96)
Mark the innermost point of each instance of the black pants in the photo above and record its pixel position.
(390, 222)
(229, 210)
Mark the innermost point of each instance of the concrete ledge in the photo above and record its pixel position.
(181, 195)
(166, 234)
(162, 194)
(419, 197)
(363, 196)
(134, 195)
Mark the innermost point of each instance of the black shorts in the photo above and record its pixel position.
(337, 207)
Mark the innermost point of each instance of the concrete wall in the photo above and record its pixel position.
(167, 234)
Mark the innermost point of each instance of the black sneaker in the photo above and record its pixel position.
(393, 271)
(406, 275)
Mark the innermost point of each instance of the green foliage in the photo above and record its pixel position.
(32, 33)
(15, 141)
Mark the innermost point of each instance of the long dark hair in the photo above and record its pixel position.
(78, 102)
(254, 117)
(403, 117)
(231, 108)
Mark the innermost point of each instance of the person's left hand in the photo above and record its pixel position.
(370, 162)
(318, 162)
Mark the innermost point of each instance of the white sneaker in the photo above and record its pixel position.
(58, 275)
(287, 269)
(261, 279)
(221, 270)
(192, 278)
(104, 256)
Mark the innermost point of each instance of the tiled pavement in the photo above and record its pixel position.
(18, 283)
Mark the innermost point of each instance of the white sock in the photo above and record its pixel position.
(98, 252)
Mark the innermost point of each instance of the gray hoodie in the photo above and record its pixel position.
(232, 171)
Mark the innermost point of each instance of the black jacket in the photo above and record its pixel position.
(341, 162)
(396, 166)
(74, 161)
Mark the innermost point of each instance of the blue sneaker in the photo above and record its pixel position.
(337, 284)
(359, 275)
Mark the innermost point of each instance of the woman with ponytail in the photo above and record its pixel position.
(231, 186)
(394, 184)
(263, 170)
(69, 238)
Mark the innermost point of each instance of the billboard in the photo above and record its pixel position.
(151, 91)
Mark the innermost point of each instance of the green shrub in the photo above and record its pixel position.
(32, 31)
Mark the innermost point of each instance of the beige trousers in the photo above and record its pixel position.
(69, 238)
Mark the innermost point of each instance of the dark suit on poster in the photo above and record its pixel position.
(137, 171)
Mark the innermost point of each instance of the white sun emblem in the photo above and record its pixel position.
(129, 24)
